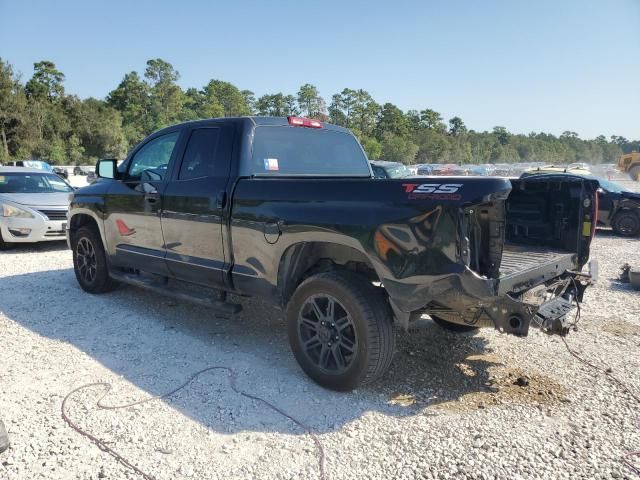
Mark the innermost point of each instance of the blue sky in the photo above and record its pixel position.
(530, 66)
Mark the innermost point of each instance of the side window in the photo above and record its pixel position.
(151, 161)
(200, 154)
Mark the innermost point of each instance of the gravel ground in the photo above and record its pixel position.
(448, 407)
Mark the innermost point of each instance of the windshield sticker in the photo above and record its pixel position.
(3, 179)
(271, 164)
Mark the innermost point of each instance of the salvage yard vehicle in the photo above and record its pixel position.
(630, 163)
(382, 169)
(618, 208)
(286, 209)
(61, 172)
(33, 206)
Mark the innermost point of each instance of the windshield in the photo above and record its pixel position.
(306, 151)
(610, 186)
(29, 182)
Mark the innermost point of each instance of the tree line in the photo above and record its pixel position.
(40, 120)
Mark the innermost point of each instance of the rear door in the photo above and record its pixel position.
(194, 203)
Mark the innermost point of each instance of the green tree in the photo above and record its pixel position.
(233, 102)
(166, 97)
(397, 148)
(12, 109)
(392, 120)
(46, 81)
(372, 147)
(432, 120)
(501, 135)
(132, 99)
(250, 100)
(310, 102)
(456, 126)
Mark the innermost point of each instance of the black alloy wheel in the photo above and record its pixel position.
(327, 333)
(87, 263)
(340, 329)
(90, 261)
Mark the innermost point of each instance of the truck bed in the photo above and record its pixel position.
(524, 266)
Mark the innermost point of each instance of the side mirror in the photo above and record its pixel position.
(107, 168)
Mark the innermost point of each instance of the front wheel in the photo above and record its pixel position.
(340, 330)
(90, 261)
(634, 173)
(626, 223)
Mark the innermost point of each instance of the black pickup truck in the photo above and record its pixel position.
(286, 209)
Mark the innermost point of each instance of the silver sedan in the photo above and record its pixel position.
(33, 206)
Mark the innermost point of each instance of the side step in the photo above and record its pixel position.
(164, 288)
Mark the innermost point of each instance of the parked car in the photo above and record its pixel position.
(33, 206)
(442, 169)
(61, 171)
(579, 165)
(78, 171)
(618, 208)
(285, 209)
(383, 169)
(558, 169)
(37, 164)
(425, 169)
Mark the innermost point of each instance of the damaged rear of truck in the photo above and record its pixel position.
(516, 256)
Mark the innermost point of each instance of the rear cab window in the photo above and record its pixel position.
(300, 151)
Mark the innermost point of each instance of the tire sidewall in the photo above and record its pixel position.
(636, 219)
(102, 273)
(357, 371)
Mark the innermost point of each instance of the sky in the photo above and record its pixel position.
(537, 66)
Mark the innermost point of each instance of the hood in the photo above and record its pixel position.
(38, 199)
(631, 196)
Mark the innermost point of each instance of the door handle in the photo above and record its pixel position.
(221, 199)
(150, 193)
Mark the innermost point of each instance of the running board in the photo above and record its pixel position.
(166, 289)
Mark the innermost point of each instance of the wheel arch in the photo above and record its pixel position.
(303, 259)
(83, 217)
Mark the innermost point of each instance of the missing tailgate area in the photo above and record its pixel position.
(533, 245)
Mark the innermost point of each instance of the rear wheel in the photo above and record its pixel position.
(340, 330)
(90, 261)
(634, 173)
(626, 223)
(453, 327)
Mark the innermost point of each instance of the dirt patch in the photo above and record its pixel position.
(620, 328)
(505, 385)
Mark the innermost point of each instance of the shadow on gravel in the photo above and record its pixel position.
(156, 343)
(53, 246)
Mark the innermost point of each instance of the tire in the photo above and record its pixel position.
(634, 173)
(626, 223)
(4, 245)
(453, 327)
(90, 262)
(355, 344)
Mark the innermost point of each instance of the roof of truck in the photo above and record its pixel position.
(258, 121)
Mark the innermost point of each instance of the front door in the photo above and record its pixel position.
(193, 206)
(132, 220)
